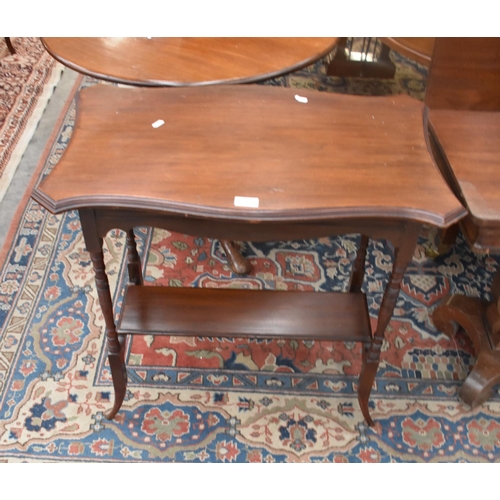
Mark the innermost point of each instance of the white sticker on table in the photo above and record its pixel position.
(158, 123)
(246, 201)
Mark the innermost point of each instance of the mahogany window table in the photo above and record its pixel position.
(305, 166)
(464, 119)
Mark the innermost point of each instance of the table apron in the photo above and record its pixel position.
(107, 219)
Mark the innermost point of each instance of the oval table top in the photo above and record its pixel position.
(185, 61)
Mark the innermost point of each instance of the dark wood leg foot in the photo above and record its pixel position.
(236, 261)
(471, 314)
(11, 48)
(366, 379)
(478, 386)
(119, 376)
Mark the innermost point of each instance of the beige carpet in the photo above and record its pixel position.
(27, 81)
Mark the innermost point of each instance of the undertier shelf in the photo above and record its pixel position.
(245, 313)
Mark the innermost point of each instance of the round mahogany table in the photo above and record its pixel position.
(189, 61)
(161, 62)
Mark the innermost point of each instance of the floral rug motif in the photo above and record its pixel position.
(208, 399)
(27, 80)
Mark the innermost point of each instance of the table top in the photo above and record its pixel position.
(188, 60)
(334, 156)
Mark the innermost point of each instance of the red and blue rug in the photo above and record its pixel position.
(207, 399)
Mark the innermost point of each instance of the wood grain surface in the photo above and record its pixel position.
(471, 142)
(245, 313)
(465, 74)
(188, 60)
(333, 156)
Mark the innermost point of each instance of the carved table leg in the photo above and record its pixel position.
(134, 261)
(93, 243)
(371, 354)
(134, 267)
(471, 314)
(358, 271)
(236, 261)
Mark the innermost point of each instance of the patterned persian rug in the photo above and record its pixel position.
(207, 399)
(27, 80)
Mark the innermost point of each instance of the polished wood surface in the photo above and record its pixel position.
(227, 313)
(331, 165)
(465, 74)
(464, 97)
(188, 60)
(419, 49)
(303, 161)
(470, 141)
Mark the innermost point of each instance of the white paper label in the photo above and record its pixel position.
(301, 99)
(158, 123)
(246, 201)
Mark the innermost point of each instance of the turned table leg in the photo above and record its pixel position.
(134, 267)
(371, 353)
(94, 243)
(133, 259)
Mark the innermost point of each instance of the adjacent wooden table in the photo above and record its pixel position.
(191, 61)
(294, 166)
(464, 100)
(174, 62)
(470, 142)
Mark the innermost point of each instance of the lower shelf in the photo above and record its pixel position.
(245, 313)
